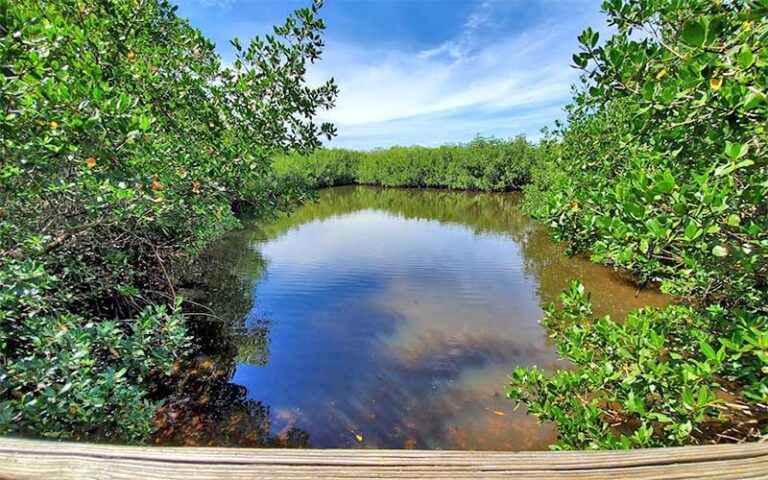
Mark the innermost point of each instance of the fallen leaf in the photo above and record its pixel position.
(716, 82)
(661, 74)
(499, 413)
(91, 162)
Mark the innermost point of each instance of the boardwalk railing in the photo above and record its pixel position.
(30, 459)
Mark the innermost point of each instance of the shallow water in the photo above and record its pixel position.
(390, 318)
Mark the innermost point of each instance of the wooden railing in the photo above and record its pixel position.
(31, 459)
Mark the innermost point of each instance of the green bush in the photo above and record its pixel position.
(486, 164)
(126, 145)
(622, 372)
(660, 169)
(323, 168)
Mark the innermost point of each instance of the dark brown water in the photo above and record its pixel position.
(390, 318)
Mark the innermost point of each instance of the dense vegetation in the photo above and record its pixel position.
(126, 145)
(661, 170)
(486, 164)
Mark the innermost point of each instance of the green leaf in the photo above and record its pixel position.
(656, 228)
(736, 150)
(635, 210)
(692, 231)
(708, 351)
(751, 100)
(719, 251)
(694, 33)
(745, 57)
(732, 167)
(666, 182)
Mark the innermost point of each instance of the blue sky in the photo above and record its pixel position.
(427, 72)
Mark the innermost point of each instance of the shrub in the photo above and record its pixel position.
(486, 164)
(126, 144)
(661, 170)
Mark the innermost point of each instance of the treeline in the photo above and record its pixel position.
(486, 164)
(661, 170)
(126, 147)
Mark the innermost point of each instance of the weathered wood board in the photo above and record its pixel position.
(31, 459)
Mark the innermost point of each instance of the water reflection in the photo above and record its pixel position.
(390, 318)
(202, 406)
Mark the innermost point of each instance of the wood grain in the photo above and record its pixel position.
(33, 459)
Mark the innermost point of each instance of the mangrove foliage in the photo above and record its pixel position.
(126, 146)
(487, 164)
(660, 169)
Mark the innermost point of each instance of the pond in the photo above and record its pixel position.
(390, 318)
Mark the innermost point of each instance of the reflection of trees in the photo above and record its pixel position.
(219, 286)
(497, 213)
(490, 213)
(225, 274)
(201, 404)
(613, 293)
(202, 407)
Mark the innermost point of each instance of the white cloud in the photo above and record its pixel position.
(462, 45)
(470, 84)
(433, 130)
(215, 3)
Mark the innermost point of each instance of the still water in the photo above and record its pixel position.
(390, 318)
